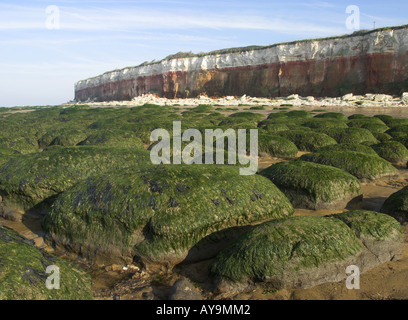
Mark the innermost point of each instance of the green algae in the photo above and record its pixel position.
(23, 272)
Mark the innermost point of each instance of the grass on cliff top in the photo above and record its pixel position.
(286, 247)
(26, 180)
(176, 206)
(309, 184)
(360, 165)
(23, 272)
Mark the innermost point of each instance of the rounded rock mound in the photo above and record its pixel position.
(392, 151)
(28, 180)
(314, 186)
(113, 138)
(307, 141)
(363, 166)
(276, 146)
(350, 135)
(397, 205)
(162, 214)
(23, 272)
(301, 252)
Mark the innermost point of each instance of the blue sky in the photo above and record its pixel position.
(39, 66)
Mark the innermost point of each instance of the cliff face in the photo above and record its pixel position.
(373, 62)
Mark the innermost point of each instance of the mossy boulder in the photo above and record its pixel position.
(19, 142)
(372, 124)
(162, 214)
(315, 186)
(5, 154)
(319, 123)
(299, 114)
(392, 151)
(272, 128)
(350, 135)
(397, 205)
(277, 115)
(400, 131)
(276, 146)
(332, 115)
(113, 138)
(23, 272)
(203, 108)
(62, 137)
(69, 138)
(301, 252)
(349, 147)
(382, 137)
(27, 180)
(361, 165)
(307, 141)
(371, 226)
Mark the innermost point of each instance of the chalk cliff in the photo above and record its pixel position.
(373, 61)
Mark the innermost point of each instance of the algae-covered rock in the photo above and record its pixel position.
(299, 114)
(361, 165)
(301, 252)
(397, 205)
(314, 186)
(392, 151)
(332, 115)
(202, 108)
(320, 123)
(271, 127)
(382, 137)
(19, 143)
(307, 141)
(62, 137)
(276, 146)
(23, 272)
(6, 154)
(162, 214)
(350, 135)
(113, 138)
(27, 180)
(349, 147)
(371, 226)
(372, 124)
(282, 252)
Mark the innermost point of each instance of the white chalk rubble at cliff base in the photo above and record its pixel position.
(349, 100)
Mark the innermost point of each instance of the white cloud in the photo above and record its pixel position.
(133, 19)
